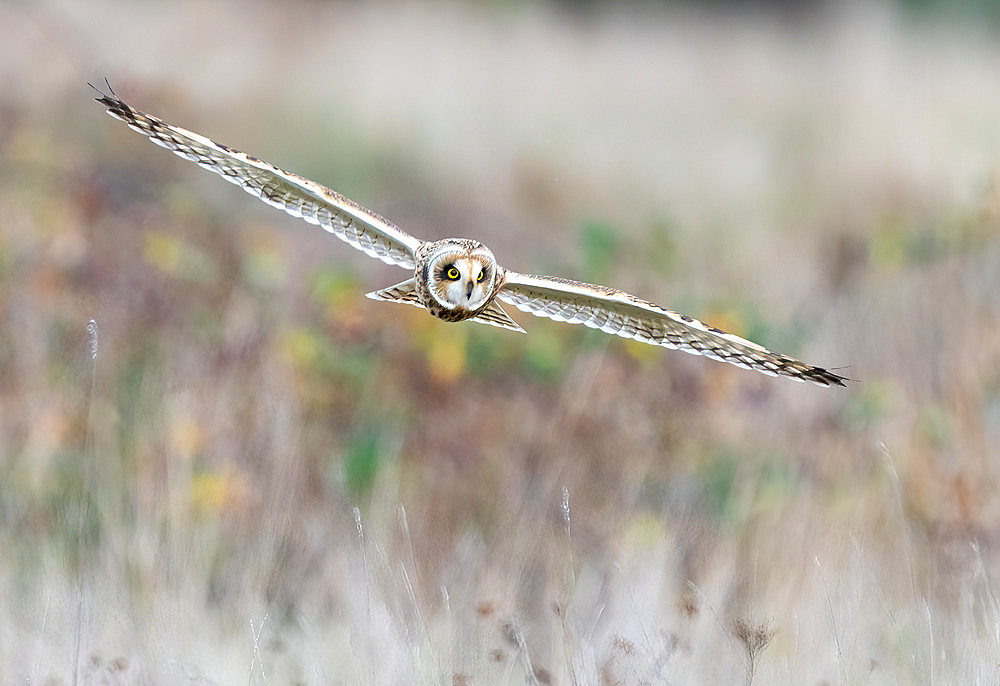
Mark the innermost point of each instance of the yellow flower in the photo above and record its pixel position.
(211, 492)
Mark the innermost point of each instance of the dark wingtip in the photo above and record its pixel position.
(104, 98)
(828, 378)
(117, 107)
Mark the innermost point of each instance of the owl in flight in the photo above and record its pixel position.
(458, 279)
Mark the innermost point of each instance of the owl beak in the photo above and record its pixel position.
(468, 289)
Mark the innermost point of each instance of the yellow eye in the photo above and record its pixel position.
(482, 275)
(452, 273)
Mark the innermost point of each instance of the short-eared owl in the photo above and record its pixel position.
(457, 278)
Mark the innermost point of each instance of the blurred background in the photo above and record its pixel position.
(244, 471)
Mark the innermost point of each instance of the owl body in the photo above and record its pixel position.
(459, 279)
(456, 278)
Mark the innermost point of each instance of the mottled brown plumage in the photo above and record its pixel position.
(427, 257)
(459, 279)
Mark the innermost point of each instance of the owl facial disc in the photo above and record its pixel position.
(460, 278)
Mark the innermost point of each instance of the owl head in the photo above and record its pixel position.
(460, 274)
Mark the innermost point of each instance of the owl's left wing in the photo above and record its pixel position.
(296, 195)
(625, 315)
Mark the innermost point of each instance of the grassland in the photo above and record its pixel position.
(261, 476)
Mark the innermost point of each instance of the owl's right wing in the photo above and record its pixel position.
(625, 315)
(290, 192)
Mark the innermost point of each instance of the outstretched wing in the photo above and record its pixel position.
(622, 314)
(294, 194)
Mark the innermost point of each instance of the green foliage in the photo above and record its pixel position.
(866, 407)
(361, 463)
(544, 354)
(718, 479)
(73, 507)
(331, 284)
(660, 247)
(756, 327)
(776, 480)
(331, 361)
(599, 242)
(487, 351)
(206, 327)
(900, 240)
(137, 403)
(934, 425)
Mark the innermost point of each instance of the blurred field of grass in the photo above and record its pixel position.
(410, 501)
